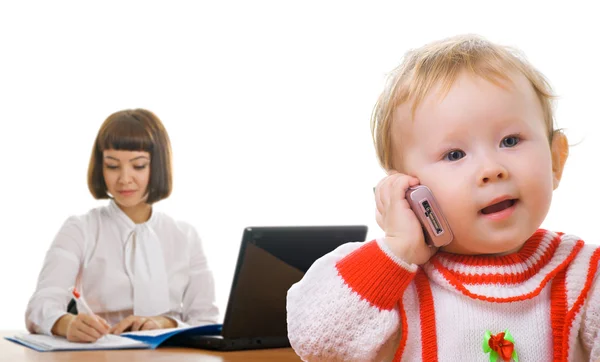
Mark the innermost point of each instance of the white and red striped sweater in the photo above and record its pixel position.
(362, 303)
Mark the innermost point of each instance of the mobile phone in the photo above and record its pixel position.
(436, 230)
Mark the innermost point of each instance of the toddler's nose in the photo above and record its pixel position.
(491, 172)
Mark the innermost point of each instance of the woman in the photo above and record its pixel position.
(137, 269)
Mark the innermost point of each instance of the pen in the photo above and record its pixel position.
(82, 306)
(85, 308)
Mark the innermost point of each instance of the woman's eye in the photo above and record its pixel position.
(140, 167)
(111, 167)
(454, 155)
(510, 141)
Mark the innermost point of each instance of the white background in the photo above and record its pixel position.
(267, 105)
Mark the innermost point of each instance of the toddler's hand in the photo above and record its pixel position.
(403, 232)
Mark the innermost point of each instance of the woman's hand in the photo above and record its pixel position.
(135, 323)
(81, 327)
(403, 232)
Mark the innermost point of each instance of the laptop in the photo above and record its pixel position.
(270, 261)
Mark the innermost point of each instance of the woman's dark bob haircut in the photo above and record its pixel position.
(133, 130)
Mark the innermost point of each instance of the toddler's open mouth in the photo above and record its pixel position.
(497, 207)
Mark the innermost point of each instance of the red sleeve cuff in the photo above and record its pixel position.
(371, 273)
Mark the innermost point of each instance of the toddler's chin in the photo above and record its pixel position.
(476, 248)
(509, 250)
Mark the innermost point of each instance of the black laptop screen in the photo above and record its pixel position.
(270, 261)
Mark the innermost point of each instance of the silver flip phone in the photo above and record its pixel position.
(435, 227)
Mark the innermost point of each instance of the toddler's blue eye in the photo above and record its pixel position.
(510, 141)
(454, 155)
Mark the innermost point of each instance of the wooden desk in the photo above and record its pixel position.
(12, 352)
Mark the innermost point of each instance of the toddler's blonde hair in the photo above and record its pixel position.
(440, 62)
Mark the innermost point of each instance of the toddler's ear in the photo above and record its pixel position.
(560, 153)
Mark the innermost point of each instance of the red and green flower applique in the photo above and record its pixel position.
(501, 345)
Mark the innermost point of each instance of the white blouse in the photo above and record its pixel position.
(123, 268)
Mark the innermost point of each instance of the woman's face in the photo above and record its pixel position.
(126, 174)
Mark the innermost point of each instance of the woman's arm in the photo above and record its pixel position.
(346, 306)
(61, 266)
(198, 302)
